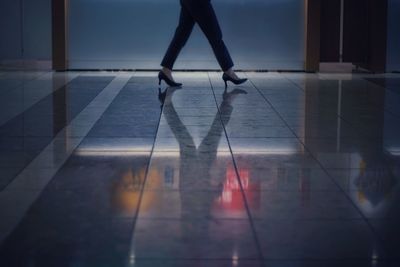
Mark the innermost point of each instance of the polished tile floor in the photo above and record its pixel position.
(108, 169)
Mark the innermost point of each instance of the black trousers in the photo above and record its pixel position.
(202, 13)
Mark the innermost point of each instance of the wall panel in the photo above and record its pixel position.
(393, 44)
(25, 30)
(134, 34)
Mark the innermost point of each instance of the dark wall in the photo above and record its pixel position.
(364, 32)
(393, 45)
(10, 30)
(355, 32)
(25, 31)
(330, 30)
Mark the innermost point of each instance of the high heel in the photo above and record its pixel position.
(227, 78)
(162, 76)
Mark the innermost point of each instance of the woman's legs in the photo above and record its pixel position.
(203, 13)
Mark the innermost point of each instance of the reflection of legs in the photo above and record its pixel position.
(188, 169)
(209, 146)
(204, 15)
(185, 140)
(211, 141)
(182, 33)
(214, 135)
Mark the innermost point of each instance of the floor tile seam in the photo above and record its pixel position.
(269, 259)
(396, 115)
(133, 228)
(70, 123)
(366, 259)
(342, 169)
(93, 220)
(312, 191)
(288, 219)
(150, 259)
(26, 165)
(37, 77)
(340, 116)
(211, 190)
(25, 108)
(177, 190)
(118, 150)
(149, 190)
(299, 139)
(257, 220)
(61, 164)
(370, 226)
(159, 151)
(44, 91)
(360, 133)
(189, 125)
(53, 139)
(81, 138)
(350, 124)
(254, 232)
(392, 90)
(294, 137)
(379, 85)
(196, 259)
(200, 219)
(249, 259)
(197, 218)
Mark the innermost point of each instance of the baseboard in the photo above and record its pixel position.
(336, 67)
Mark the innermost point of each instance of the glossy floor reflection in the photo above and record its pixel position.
(108, 169)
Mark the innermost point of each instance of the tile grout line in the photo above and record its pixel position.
(38, 163)
(132, 256)
(251, 221)
(27, 81)
(66, 127)
(371, 228)
(25, 110)
(351, 125)
(385, 110)
(25, 107)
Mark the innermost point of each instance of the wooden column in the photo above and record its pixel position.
(59, 34)
(312, 35)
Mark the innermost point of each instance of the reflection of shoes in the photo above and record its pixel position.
(227, 78)
(162, 76)
(162, 96)
(231, 95)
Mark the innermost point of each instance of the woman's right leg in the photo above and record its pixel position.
(204, 15)
(182, 33)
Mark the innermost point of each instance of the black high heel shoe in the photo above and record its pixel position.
(227, 78)
(162, 76)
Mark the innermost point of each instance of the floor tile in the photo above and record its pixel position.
(194, 239)
(317, 240)
(310, 205)
(288, 169)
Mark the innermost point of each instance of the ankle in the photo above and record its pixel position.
(231, 73)
(166, 71)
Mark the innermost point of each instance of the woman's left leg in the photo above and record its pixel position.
(182, 33)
